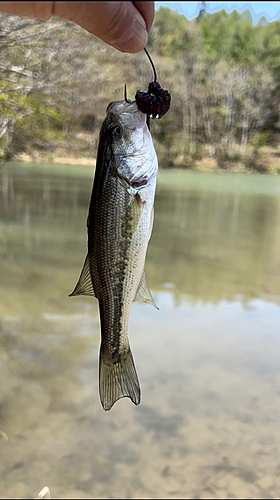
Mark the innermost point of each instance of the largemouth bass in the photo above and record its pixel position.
(119, 227)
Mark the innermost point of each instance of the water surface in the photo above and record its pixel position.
(208, 360)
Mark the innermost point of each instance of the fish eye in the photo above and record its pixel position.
(116, 131)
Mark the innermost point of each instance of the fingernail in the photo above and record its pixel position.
(133, 39)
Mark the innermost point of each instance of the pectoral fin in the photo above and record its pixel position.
(143, 293)
(84, 285)
(151, 222)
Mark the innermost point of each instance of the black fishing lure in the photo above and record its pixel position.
(156, 102)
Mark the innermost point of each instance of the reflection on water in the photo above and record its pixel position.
(208, 361)
(217, 236)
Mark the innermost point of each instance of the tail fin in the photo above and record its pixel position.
(117, 378)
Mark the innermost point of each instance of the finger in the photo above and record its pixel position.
(119, 24)
(147, 10)
(39, 10)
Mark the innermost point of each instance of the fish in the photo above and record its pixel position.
(119, 227)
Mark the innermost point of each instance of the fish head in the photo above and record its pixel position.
(129, 144)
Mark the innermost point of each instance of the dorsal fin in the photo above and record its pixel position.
(84, 285)
(143, 293)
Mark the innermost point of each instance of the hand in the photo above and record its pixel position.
(123, 25)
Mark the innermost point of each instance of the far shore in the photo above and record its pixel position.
(268, 162)
(65, 160)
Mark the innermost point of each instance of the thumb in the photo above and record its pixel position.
(119, 24)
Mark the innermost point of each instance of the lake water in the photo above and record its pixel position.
(208, 361)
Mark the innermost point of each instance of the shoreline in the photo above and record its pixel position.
(204, 165)
(65, 160)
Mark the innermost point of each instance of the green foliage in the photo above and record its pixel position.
(229, 36)
(259, 139)
(247, 15)
(170, 32)
(268, 45)
(262, 21)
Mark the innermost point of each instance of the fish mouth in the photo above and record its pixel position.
(139, 184)
(134, 184)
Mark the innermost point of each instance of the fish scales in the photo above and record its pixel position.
(119, 227)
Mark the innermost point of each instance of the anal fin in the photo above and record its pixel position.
(84, 285)
(143, 293)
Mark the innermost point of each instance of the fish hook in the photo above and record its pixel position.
(150, 59)
(125, 94)
(154, 70)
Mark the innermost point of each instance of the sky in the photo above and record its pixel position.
(270, 9)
